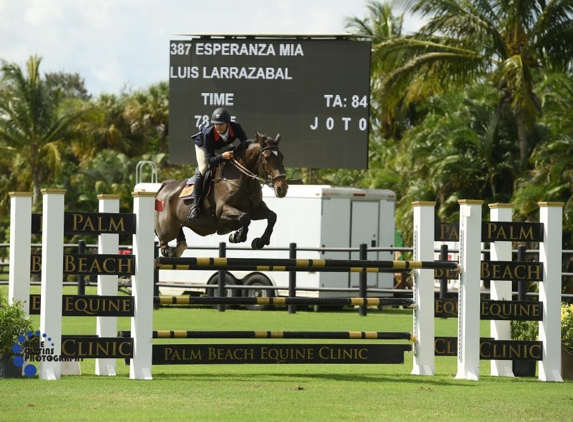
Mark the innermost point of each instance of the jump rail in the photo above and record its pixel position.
(282, 301)
(297, 264)
(342, 335)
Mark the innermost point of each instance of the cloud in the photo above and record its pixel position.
(114, 42)
(38, 13)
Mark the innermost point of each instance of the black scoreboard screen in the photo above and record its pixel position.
(315, 92)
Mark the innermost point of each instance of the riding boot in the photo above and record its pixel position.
(197, 190)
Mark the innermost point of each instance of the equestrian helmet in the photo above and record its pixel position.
(221, 115)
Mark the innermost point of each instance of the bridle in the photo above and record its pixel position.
(270, 181)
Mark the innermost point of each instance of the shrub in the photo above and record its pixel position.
(567, 325)
(13, 322)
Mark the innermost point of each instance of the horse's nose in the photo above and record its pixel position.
(281, 191)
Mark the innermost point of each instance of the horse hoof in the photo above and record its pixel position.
(257, 243)
(167, 252)
(233, 238)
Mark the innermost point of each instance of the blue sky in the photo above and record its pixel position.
(114, 44)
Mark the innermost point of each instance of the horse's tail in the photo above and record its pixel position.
(159, 203)
(162, 186)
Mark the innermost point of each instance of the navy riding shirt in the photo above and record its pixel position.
(211, 141)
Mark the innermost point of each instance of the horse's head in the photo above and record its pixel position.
(270, 163)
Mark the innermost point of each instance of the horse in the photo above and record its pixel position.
(231, 201)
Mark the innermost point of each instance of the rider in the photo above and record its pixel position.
(220, 133)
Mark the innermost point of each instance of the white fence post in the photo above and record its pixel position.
(501, 289)
(424, 289)
(550, 250)
(20, 248)
(108, 243)
(469, 293)
(52, 278)
(142, 285)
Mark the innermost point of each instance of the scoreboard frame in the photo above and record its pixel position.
(314, 90)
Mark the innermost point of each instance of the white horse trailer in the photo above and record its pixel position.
(313, 217)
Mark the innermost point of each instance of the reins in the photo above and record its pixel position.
(270, 180)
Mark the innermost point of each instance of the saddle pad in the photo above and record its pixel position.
(186, 192)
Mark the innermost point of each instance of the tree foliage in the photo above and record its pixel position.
(505, 43)
(34, 125)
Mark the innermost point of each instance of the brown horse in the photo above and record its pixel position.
(233, 199)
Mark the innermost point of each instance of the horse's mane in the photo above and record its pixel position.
(242, 148)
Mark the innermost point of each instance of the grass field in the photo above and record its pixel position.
(283, 392)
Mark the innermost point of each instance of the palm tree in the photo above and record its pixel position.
(379, 26)
(551, 178)
(33, 126)
(506, 43)
(462, 150)
(148, 114)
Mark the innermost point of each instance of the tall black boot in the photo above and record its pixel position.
(197, 191)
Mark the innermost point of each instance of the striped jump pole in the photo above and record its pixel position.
(20, 248)
(51, 279)
(107, 285)
(142, 286)
(501, 289)
(423, 289)
(469, 291)
(342, 335)
(324, 265)
(282, 301)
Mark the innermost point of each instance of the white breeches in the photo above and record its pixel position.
(202, 164)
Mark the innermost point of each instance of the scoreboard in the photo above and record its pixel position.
(314, 91)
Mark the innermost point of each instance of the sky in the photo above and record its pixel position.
(124, 44)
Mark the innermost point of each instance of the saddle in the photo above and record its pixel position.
(187, 191)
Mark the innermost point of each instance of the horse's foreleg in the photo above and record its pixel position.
(262, 212)
(265, 239)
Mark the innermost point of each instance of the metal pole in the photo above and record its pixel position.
(521, 285)
(81, 277)
(221, 276)
(444, 281)
(332, 265)
(156, 274)
(363, 310)
(292, 278)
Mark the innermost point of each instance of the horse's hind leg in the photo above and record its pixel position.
(181, 243)
(241, 235)
(165, 249)
(177, 251)
(229, 217)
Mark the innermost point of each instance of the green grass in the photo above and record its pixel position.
(284, 392)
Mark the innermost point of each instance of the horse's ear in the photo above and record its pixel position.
(260, 139)
(278, 138)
